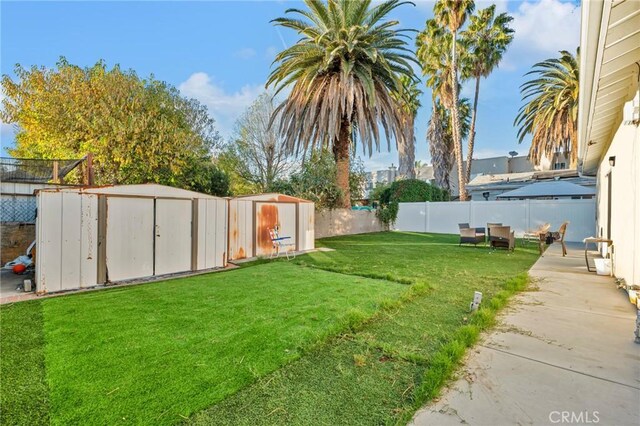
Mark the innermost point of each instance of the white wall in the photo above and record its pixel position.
(444, 217)
(625, 202)
(330, 223)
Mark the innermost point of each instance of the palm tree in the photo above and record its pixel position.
(434, 54)
(409, 101)
(550, 112)
(485, 39)
(452, 14)
(440, 137)
(440, 147)
(343, 71)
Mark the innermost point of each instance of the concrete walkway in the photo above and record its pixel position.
(563, 354)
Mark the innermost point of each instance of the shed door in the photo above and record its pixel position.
(267, 216)
(129, 238)
(173, 236)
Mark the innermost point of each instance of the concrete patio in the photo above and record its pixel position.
(563, 353)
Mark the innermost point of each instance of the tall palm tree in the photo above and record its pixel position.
(343, 71)
(452, 14)
(485, 40)
(440, 137)
(550, 111)
(409, 101)
(440, 147)
(434, 54)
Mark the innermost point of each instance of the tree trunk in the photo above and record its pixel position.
(341, 148)
(472, 131)
(457, 140)
(573, 162)
(407, 150)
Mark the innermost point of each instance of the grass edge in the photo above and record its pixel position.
(446, 361)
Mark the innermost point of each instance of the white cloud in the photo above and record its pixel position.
(223, 106)
(541, 30)
(246, 53)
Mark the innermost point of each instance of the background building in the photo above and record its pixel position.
(492, 176)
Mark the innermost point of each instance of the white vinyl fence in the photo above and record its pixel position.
(522, 215)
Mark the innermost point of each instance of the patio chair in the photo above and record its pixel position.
(503, 237)
(537, 235)
(281, 244)
(470, 235)
(558, 236)
(489, 226)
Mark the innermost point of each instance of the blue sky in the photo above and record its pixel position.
(220, 52)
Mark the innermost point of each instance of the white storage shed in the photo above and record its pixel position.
(251, 216)
(97, 235)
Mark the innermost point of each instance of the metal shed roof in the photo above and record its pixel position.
(146, 190)
(272, 196)
(549, 189)
(610, 52)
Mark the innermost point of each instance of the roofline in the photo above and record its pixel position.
(276, 194)
(591, 50)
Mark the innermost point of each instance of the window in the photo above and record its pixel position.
(559, 166)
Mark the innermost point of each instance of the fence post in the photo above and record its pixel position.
(56, 172)
(89, 169)
(426, 216)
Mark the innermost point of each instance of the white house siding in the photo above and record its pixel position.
(625, 202)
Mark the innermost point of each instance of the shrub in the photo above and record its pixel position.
(406, 191)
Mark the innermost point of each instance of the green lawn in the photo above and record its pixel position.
(156, 353)
(392, 365)
(334, 337)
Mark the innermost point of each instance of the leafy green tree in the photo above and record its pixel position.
(315, 180)
(409, 101)
(406, 191)
(452, 14)
(550, 110)
(259, 149)
(378, 190)
(230, 162)
(486, 40)
(138, 130)
(206, 177)
(341, 73)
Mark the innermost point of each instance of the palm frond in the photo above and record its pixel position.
(550, 110)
